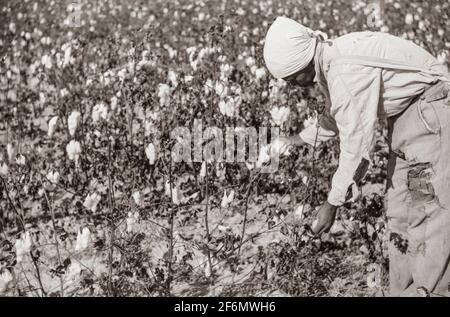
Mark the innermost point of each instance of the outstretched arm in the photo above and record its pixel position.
(355, 97)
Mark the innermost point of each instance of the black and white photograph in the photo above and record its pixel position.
(256, 150)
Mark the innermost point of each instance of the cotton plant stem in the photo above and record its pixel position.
(28, 281)
(172, 217)
(18, 214)
(55, 235)
(208, 237)
(38, 274)
(244, 224)
(111, 226)
(22, 222)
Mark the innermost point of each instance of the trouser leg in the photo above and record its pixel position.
(422, 134)
(429, 232)
(400, 273)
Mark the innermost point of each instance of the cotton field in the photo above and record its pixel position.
(99, 98)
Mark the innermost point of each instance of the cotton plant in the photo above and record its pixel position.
(20, 160)
(72, 122)
(46, 61)
(52, 124)
(83, 239)
(221, 89)
(276, 89)
(99, 112)
(53, 176)
(279, 147)
(91, 201)
(280, 115)
(220, 171)
(114, 101)
(4, 169)
(263, 156)
(6, 281)
(10, 151)
(260, 73)
(203, 171)
(310, 121)
(172, 77)
(443, 58)
(67, 48)
(137, 198)
(164, 94)
(250, 61)
(298, 212)
(208, 86)
(73, 272)
(173, 192)
(23, 246)
(374, 277)
(229, 105)
(132, 222)
(250, 165)
(73, 150)
(63, 92)
(227, 199)
(225, 71)
(145, 61)
(150, 153)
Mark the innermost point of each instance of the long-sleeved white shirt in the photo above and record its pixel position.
(358, 95)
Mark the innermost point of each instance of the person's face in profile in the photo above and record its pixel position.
(303, 78)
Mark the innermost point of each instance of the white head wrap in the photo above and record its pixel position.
(289, 47)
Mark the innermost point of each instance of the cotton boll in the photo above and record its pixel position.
(46, 61)
(4, 169)
(132, 222)
(137, 198)
(227, 199)
(263, 157)
(67, 52)
(83, 239)
(280, 115)
(73, 150)
(52, 126)
(72, 122)
(91, 201)
(260, 73)
(20, 160)
(6, 281)
(164, 95)
(150, 152)
(73, 272)
(250, 61)
(221, 89)
(10, 151)
(23, 246)
(172, 77)
(310, 121)
(203, 171)
(227, 107)
(442, 58)
(53, 176)
(279, 147)
(173, 191)
(100, 111)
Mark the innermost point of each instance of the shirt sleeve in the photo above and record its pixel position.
(355, 98)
